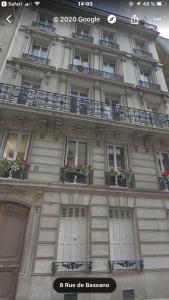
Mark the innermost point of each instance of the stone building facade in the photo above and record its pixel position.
(84, 158)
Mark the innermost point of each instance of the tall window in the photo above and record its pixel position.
(72, 245)
(83, 29)
(78, 102)
(140, 44)
(40, 51)
(81, 60)
(145, 75)
(121, 234)
(116, 157)
(163, 161)
(44, 20)
(70, 297)
(108, 67)
(108, 37)
(30, 83)
(16, 146)
(76, 152)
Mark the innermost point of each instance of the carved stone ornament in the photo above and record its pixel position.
(57, 129)
(147, 140)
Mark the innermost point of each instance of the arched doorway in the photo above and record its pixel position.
(13, 221)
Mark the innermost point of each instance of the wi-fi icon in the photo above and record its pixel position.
(37, 3)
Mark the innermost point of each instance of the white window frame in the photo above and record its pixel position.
(36, 44)
(30, 83)
(82, 28)
(115, 157)
(108, 36)
(159, 157)
(4, 141)
(46, 18)
(108, 63)
(77, 141)
(80, 61)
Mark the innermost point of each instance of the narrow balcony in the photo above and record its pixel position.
(36, 59)
(18, 95)
(149, 85)
(95, 72)
(142, 52)
(109, 44)
(120, 179)
(13, 169)
(44, 27)
(72, 266)
(126, 265)
(82, 37)
(76, 175)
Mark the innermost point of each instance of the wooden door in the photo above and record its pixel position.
(13, 221)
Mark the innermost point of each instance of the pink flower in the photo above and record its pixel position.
(165, 173)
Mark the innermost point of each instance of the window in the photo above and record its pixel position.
(81, 60)
(44, 20)
(163, 161)
(76, 152)
(16, 146)
(128, 294)
(30, 83)
(72, 237)
(83, 30)
(116, 157)
(108, 37)
(78, 102)
(40, 51)
(121, 235)
(145, 75)
(70, 297)
(140, 44)
(108, 67)
(111, 108)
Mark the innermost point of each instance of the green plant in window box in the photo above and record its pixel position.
(114, 173)
(4, 167)
(84, 170)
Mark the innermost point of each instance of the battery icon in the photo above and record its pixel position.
(159, 3)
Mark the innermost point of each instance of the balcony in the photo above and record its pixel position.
(72, 266)
(142, 52)
(82, 37)
(149, 85)
(36, 59)
(18, 95)
(95, 72)
(76, 176)
(44, 27)
(126, 265)
(13, 169)
(120, 179)
(109, 44)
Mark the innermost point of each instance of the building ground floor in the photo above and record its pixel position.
(52, 231)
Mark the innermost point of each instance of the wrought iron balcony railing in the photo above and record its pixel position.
(22, 173)
(95, 72)
(83, 37)
(36, 59)
(164, 184)
(149, 85)
(44, 27)
(126, 265)
(72, 175)
(18, 95)
(124, 179)
(70, 266)
(142, 52)
(109, 44)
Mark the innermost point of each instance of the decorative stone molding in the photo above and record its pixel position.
(99, 132)
(19, 123)
(148, 141)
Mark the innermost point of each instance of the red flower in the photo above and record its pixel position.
(165, 173)
(24, 162)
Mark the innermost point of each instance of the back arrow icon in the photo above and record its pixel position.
(8, 19)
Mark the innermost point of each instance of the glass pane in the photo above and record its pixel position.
(71, 152)
(165, 161)
(10, 146)
(35, 50)
(44, 52)
(120, 157)
(22, 147)
(82, 153)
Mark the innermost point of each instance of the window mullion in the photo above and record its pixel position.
(115, 158)
(76, 153)
(18, 141)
